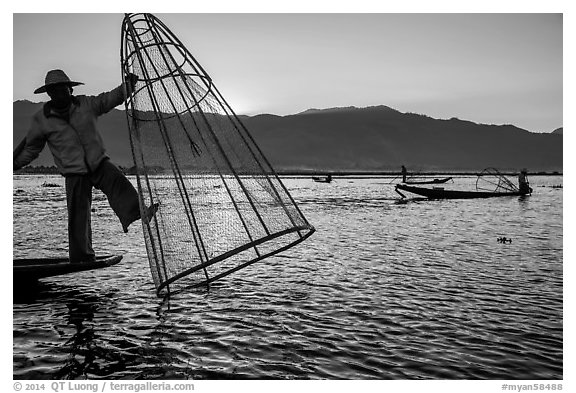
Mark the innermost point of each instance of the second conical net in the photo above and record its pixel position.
(221, 205)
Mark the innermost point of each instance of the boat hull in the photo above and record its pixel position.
(436, 193)
(34, 269)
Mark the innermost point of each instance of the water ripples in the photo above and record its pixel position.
(420, 290)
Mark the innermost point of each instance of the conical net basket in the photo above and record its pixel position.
(221, 206)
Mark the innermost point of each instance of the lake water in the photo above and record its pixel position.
(382, 290)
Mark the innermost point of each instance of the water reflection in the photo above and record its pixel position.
(81, 348)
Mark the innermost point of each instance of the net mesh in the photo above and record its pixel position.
(221, 206)
(490, 180)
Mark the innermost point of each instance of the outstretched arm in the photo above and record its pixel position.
(105, 102)
(19, 148)
(29, 148)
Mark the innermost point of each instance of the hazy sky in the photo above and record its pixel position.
(487, 68)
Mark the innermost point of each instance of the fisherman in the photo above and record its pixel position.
(67, 123)
(404, 173)
(523, 185)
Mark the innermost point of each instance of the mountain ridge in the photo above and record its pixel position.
(359, 139)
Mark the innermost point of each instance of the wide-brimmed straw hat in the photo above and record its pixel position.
(55, 77)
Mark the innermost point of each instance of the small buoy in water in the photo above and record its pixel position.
(93, 210)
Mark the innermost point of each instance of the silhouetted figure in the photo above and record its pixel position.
(67, 123)
(523, 184)
(404, 173)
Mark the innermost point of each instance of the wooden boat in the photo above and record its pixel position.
(433, 181)
(36, 268)
(322, 179)
(441, 193)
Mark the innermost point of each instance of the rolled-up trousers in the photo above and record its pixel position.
(122, 197)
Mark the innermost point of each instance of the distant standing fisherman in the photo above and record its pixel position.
(67, 123)
(523, 184)
(404, 173)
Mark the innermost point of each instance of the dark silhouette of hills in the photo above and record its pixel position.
(376, 138)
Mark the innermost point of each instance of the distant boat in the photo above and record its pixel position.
(433, 181)
(419, 179)
(490, 183)
(322, 179)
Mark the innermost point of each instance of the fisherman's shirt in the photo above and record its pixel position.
(73, 138)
